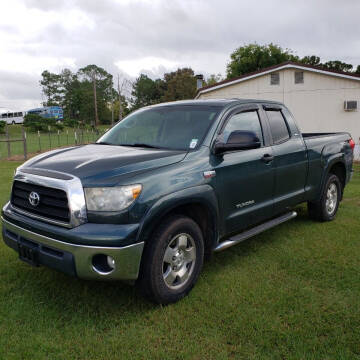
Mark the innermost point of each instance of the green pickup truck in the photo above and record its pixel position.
(169, 185)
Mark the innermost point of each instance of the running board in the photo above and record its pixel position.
(254, 231)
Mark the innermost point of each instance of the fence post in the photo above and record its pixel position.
(24, 140)
(49, 128)
(8, 140)
(75, 138)
(39, 141)
(59, 138)
(67, 137)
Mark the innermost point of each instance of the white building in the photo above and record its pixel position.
(321, 100)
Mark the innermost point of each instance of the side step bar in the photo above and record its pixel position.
(254, 231)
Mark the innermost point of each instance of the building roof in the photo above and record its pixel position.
(270, 69)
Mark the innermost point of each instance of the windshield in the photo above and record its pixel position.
(180, 127)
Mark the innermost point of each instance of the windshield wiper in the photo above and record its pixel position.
(103, 143)
(141, 145)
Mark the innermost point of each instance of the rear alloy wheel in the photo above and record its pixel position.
(172, 260)
(331, 199)
(325, 209)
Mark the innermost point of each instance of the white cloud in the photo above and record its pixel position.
(147, 64)
(155, 36)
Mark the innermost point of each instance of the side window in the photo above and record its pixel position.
(278, 127)
(248, 121)
(274, 79)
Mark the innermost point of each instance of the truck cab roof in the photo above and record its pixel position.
(216, 102)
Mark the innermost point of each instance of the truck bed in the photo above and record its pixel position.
(315, 135)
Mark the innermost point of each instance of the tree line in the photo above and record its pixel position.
(89, 96)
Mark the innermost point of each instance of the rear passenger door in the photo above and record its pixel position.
(290, 158)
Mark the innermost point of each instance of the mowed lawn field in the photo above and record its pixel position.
(292, 292)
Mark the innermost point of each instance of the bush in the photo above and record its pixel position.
(72, 123)
(2, 127)
(58, 126)
(34, 122)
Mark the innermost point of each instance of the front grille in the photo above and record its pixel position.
(53, 203)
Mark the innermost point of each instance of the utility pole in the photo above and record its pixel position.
(120, 106)
(95, 102)
(112, 106)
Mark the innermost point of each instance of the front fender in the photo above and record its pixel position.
(202, 194)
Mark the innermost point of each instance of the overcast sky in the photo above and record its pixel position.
(155, 36)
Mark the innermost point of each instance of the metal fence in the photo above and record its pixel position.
(17, 144)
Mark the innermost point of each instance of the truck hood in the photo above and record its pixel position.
(103, 164)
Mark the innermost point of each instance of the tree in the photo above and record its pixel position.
(51, 87)
(337, 66)
(311, 60)
(357, 71)
(213, 79)
(70, 85)
(254, 57)
(123, 87)
(179, 85)
(146, 91)
(101, 80)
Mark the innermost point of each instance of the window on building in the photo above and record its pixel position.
(275, 79)
(299, 77)
(278, 127)
(247, 121)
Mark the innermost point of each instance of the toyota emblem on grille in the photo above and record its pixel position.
(34, 198)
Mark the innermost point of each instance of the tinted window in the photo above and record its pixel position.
(278, 127)
(248, 121)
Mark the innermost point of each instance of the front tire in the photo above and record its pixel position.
(326, 208)
(172, 260)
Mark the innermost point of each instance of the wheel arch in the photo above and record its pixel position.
(335, 166)
(198, 203)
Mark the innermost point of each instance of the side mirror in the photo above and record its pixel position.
(238, 140)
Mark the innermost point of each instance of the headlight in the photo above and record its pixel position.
(111, 198)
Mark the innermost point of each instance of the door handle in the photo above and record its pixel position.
(267, 158)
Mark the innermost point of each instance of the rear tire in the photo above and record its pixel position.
(172, 260)
(326, 207)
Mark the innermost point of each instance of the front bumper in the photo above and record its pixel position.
(75, 259)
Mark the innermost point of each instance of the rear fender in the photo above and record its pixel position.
(328, 161)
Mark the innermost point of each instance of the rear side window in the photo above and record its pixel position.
(248, 121)
(278, 127)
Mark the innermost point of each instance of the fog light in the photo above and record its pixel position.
(111, 262)
(103, 264)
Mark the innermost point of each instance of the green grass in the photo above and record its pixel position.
(65, 138)
(292, 292)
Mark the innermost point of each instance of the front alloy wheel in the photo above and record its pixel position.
(172, 260)
(179, 261)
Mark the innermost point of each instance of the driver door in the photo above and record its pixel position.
(245, 177)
